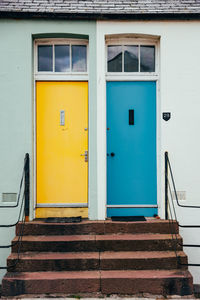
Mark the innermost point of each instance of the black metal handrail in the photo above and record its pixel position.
(167, 186)
(24, 208)
(170, 205)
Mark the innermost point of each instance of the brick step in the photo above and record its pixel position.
(75, 261)
(90, 243)
(97, 227)
(155, 282)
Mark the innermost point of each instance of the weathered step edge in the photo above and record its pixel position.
(89, 243)
(107, 282)
(160, 282)
(38, 262)
(97, 227)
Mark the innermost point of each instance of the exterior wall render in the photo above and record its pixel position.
(178, 86)
(178, 93)
(17, 105)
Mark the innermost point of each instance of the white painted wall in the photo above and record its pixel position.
(179, 94)
(17, 103)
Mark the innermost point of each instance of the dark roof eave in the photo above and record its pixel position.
(100, 16)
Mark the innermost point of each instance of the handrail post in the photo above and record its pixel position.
(166, 185)
(27, 184)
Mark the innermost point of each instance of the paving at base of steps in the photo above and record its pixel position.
(113, 297)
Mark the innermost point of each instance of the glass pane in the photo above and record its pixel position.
(62, 62)
(147, 59)
(130, 58)
(114, 58)
(79, 58)
(45, 58)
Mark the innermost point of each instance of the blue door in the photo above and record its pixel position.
(131, 149)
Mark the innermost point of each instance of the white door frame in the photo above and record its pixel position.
(103, 77)
(53, 76)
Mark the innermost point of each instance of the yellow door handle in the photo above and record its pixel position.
(86, 156)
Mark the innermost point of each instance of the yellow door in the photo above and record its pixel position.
(62, 141)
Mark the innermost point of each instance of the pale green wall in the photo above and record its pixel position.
(16, 105)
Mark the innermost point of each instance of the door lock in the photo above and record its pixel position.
(86, 155)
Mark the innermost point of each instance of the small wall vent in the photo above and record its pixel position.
(9, 197)
(180, 194)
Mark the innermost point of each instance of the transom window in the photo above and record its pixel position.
(62, 57)
(131, 58)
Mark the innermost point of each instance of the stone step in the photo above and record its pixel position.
(155, 282)
(54, 261)
(97, 227)
(75, 261)
(142, 260)
(91, 243)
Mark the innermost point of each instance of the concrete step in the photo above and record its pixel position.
(97, 227)
(77, 261)
(155, 282)
(91, 243)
